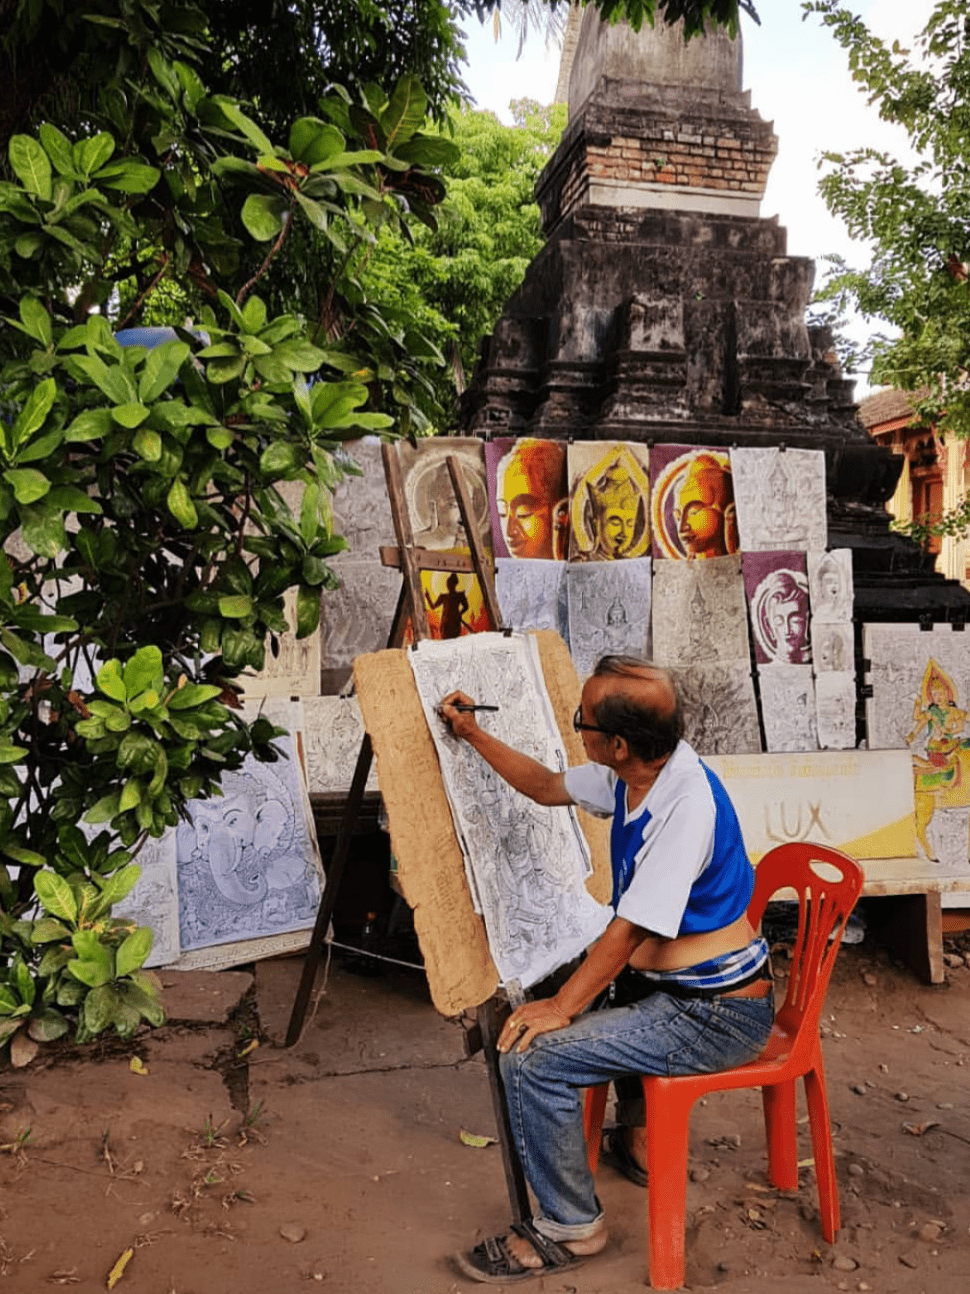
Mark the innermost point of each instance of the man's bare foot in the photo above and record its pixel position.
(524, 1253)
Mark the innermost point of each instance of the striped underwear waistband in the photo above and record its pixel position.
(717, 974)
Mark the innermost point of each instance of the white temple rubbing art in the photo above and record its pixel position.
(780, 498)
(720, 711)
(332, 734)
(699, 613)
(832, 648)
(830, 582)
(835, 708)
(526, 864)
(788, 707)
(532, 594)
(154, 900)
(609, 610)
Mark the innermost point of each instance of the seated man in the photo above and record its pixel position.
(681, 887)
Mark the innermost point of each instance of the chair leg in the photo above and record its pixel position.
(593, 1114)
(668, 1127)
(816, 1098)
(778, 1101)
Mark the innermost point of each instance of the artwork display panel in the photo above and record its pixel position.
(609, 610)
(776, 585)
(921, 703)
(248, 861)
(532, 595)
(293, 669)
(692, 502)
(454, 604)
(154, 900)
(357, 616)
(429, 496)
(835, 710)
(361, 507)
(720, 710)
(788, 708)
(831, 585)
(609, 501)
(833, 649)
(527, 864)
(780, 497)
(699, 613)
(332, 734)
(528, 494)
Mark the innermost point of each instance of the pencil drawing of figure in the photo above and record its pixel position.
(832, 650)
(609, 511)
(532, 594)
(835, 707)
(788, 707)
(699, 613)
(830, 580)
(720, 711)
(609, 609)
(781, 499)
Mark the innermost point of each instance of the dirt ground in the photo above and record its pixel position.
(228, 1166)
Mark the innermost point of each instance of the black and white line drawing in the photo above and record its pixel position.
(720, 711)
(332, 733)
(830, 582)
(699, 614)
(788, 707)
(532, 594)
(835, 695)
(832, 648)
(780, 498)
(526, 864)
(609, 610)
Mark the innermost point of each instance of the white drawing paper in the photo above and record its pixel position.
(357, 617)
(833, 650)
(780, 498)
(788, 707)
(835, 695)
(699, 613)
(526, 863)
(720, 710)
(532, 594)
(830, 582)
(293, 668)
(333, 731)
(609, 610)
(361, 507)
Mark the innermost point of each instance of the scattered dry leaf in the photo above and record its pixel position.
(917, 1129)
(118, 1270)
(250, 1046)
(476, 1140)
(137, 1066)
(23, 1049)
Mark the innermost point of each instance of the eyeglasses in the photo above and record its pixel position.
(579, 726)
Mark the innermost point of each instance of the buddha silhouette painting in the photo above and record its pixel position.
(609, 512)
(694, 516)
(781, 618)
(531, 500)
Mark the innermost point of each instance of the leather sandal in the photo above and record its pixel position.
(492, 1262)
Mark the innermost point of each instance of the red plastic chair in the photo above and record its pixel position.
(793, 1051)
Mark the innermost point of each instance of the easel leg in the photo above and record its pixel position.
(490, 1025)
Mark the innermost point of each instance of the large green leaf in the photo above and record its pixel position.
(128, 177)
(263, 215)
(100, 1005)
(132, 953)
(144, 670)
(405, 112)
(55, 895)
(31, 165)
(161, 369)
(181, 506)
(313, 140)
(236, 606)
(130, 415)
(307, 611)
(58, 148)
(47, 1025)
(28, 484)
(91, 154)
(193, 694)
(32, 415)
(111, 681)
(231, 110)
(36, 320)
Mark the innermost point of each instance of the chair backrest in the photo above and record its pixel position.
(827, 884)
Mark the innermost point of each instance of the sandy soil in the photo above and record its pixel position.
(338, 1164)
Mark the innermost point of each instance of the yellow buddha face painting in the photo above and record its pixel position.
(530, 502)
(610, 509)
(694, 516)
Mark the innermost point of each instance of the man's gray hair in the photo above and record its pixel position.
(650, 730)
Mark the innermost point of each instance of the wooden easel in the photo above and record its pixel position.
(412, 560)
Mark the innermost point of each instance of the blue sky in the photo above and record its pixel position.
(799, 79)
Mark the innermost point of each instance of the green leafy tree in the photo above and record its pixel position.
(914, 214)
(148, 545)
(454, 280)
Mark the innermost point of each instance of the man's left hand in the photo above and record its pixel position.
(528, 1021)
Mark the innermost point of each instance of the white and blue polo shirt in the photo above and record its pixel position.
(679, 862)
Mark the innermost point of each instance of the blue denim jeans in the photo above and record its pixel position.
(660, 1035)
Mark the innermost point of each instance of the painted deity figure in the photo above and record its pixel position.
(610, 511)
(531, 499)
(705, 512)
(453, 606)
(935, 709)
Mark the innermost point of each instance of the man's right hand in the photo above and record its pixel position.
(462, 723)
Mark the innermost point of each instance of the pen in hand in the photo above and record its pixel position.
(468, 709)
